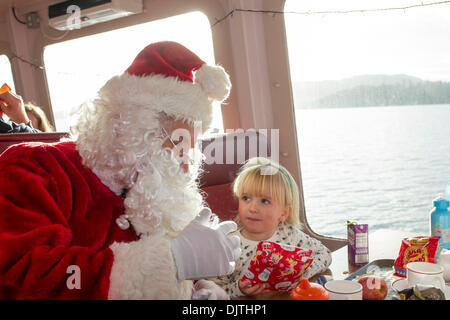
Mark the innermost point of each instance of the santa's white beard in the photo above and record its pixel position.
(163, 199)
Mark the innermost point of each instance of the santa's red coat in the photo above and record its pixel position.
(55, 214)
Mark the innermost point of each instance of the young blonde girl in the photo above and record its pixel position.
(268, 210)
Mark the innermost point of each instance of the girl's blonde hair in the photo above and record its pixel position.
(43, 123)
(263, 177)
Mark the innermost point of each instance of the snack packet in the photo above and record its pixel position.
(279, 266)
(4, 88)
(421, 248)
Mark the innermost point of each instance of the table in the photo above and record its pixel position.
(383, 244)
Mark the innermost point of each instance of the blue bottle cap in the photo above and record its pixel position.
(441, 203)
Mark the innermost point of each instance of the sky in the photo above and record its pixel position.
(335, 46)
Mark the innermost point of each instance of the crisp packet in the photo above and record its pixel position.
(421, 248)
(4, 88)
(279, 266)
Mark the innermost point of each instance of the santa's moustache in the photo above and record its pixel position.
(164, 198)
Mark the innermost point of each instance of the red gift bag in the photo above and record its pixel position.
(280, 266)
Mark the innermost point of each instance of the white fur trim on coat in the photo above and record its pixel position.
(145, 269)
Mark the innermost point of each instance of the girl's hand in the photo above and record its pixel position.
(247, 289)
(12, 105)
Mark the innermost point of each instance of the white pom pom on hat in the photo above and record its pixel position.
(214, 81)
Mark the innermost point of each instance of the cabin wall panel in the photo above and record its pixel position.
(283, 105)
(24, 43)
(249, 65)
(21, 43)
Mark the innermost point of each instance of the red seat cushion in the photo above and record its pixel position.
(221, 200)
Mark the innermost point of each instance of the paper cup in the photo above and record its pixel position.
(344, 290)
(426, 273)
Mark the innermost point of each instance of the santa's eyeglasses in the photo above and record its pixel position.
(168, 136)
(179, 148)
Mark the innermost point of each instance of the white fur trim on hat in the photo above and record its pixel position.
(155, 93)
(181, 99)
(214, 81)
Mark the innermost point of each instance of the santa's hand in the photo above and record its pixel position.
(201, 251)
(208, 290)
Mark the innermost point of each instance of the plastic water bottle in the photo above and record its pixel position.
(440, 221)
(447, 191)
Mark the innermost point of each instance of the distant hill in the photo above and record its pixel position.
(371, 90)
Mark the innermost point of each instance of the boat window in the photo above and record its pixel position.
(77, 69)
(371, 91)
(6, 75)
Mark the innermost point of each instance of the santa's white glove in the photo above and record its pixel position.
(202, 251)
(208, 290)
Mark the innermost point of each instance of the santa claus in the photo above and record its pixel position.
(116, 212)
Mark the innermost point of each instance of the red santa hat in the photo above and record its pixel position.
(169, 77)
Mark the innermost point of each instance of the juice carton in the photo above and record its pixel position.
(358, 243)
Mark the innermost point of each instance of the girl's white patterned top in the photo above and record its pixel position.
(285, 234)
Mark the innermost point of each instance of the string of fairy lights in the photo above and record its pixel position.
(325, 12)
(274, 12)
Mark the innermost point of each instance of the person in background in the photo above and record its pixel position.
(38, 118)
(12, 106)
(268, 210)
(116, 212)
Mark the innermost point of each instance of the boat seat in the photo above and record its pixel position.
(224, 156)
(8, 139)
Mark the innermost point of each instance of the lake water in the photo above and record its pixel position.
(377, 165)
